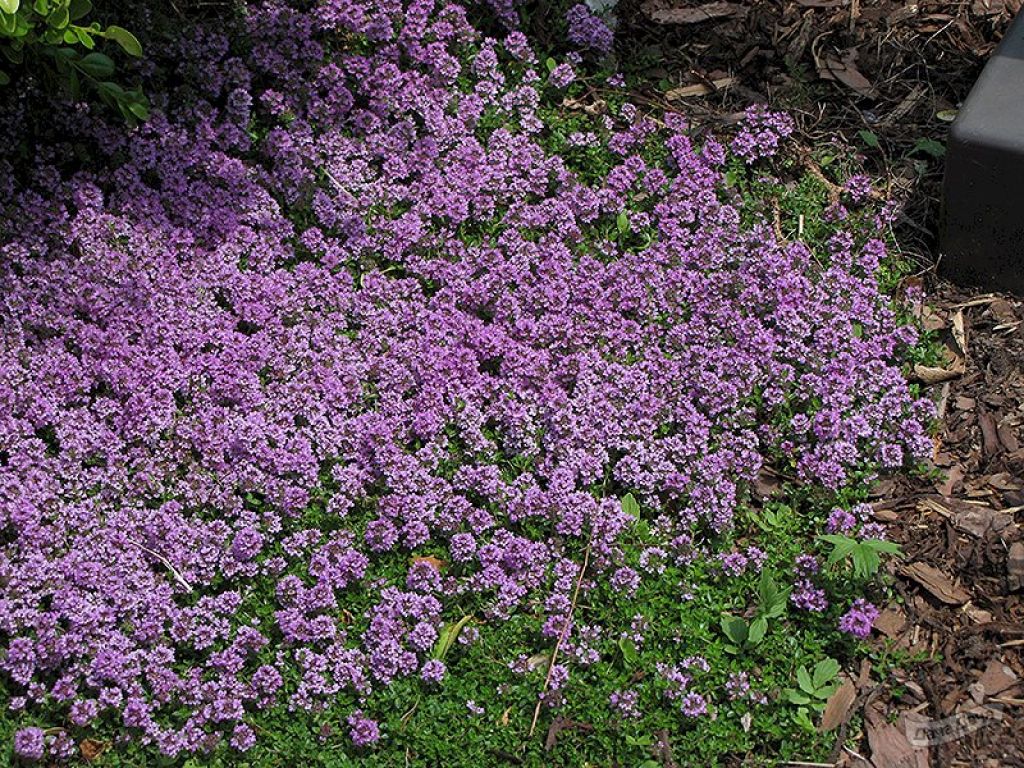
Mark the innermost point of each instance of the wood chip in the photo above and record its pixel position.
(891, 622)
(998, 680)
(1015, 566)
(936, 583)
(891, 749)
(692, 15)
(990, 445)
(837, 709)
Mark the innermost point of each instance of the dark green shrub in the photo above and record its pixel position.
(55, 40)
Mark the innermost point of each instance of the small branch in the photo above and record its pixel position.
(561, 638)
(167, 563)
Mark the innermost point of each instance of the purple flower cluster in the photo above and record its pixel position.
(204, 335)
(859, 619)
(588, 31)
(761, 133)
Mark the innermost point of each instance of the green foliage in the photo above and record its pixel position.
(55, 40)
(813, 691)
(772, 602)
(863, 555)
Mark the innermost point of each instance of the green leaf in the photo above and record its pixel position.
(125, 39)
(550, 64)
(628, 648)
(825, 671)
(630, 505)
(881, 545)
(803, 677)
(42, 7)
(449, 632)
(4, 78)
(758, 628)
(795, 697)
(735, 629)
(869, 138)
(9, 6)
(96, 65)
(85, 37)
(77, 9)
(140, 109)
(930, 147)
(58, 18)
(622, 222)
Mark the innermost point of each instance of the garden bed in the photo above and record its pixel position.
(400, 395)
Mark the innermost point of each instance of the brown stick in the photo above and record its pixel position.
(561, 637)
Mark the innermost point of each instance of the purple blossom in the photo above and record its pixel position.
(562, 75)
(587, 30)
(625, 703)
(859, 619)
(761, 133)
(433, 671)
(362, 730)
(30, 743)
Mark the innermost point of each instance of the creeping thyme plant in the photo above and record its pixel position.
(375, 403)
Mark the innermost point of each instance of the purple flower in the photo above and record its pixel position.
(859, 619)
(243, 738)
(625, 703)
(30, 743)
(562, 75)
(840, 521)
(587, 30)
(433, 671)
(362, 730)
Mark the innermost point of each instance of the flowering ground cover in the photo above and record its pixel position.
(390, 398)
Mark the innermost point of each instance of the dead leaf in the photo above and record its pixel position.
(435, 562)
(837, 709)
(560, 724)
(928, 374)
(974, 519)
(700, 89)
(692, 15)
(959, 331)
(91, 749)
(936, 583)
(845, 70)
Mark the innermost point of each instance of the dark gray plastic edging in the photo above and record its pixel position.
(982, 226)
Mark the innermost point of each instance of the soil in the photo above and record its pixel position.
(888, 76)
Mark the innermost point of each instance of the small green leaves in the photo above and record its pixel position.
(125, 39)
(772, 599)
(814, 687)
(631, 506)
(9, 6)
(865, 555)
